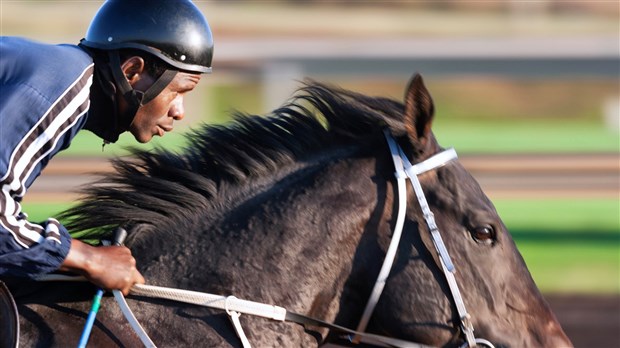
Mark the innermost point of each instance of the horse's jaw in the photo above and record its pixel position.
(517, 315)
(522, 317)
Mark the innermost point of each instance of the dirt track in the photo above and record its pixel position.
(589, 321)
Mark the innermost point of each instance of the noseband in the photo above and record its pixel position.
(403, 170)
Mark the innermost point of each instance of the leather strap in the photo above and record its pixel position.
(348, 334)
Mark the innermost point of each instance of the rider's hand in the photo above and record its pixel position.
(111, 267)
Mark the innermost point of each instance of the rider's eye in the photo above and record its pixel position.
(483, 234)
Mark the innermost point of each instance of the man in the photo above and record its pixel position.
(130, 73)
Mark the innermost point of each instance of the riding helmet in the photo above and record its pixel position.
(173, 30)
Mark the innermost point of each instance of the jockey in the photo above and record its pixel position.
(130, 73)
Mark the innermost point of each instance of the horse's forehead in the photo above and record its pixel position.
(458, 186)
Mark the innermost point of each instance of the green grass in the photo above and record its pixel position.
(573, 266)
(570, 246)
(526, 137)
(41, 211)
(564, 216)
(88, 144)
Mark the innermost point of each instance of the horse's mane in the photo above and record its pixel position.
(152, 187)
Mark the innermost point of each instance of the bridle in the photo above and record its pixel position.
(234, 307)
(405, 170)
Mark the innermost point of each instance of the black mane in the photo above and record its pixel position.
(154, 186)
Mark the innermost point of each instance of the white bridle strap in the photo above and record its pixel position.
(402, 165)
(412, 173)
(131, 319)
(403, 169)
(431, 163)
(390, 255)
(444, 257)
(234, 319)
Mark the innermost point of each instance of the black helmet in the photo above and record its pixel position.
(173, 30)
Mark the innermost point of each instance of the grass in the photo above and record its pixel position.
(565, 216)
(570, 246)
(574, 266)
(88, 144)
(41, 211)
(526, 137)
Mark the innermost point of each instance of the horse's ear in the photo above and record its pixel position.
(419, 111)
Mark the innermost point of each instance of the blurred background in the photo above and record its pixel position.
(528, 92)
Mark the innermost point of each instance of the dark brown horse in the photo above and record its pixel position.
(296, 209)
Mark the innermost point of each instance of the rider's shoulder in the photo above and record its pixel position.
(24, 51)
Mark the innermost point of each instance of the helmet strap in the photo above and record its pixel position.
(158, 86)
(135, 98)
(103, 118)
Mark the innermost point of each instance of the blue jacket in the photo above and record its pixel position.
(44, 100)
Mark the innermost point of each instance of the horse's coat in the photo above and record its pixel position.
(296, 209)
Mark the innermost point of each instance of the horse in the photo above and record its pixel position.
(296, 208)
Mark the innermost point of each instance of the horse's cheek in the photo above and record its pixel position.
(405, 312)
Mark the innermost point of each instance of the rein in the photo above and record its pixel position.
(234, 307)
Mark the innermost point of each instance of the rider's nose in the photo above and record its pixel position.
(177, 110)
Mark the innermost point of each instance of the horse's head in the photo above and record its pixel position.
(503, 303)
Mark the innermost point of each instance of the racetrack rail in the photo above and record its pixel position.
(532, 176)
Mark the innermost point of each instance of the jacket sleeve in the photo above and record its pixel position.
(29, 250)
(36, 124)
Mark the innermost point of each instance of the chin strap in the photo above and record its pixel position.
(133, 97)
(105, 120)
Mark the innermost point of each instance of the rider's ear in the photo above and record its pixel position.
(132, 67)
(419, 111)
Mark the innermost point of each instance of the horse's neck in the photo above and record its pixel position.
(290, 244)
(287, 177)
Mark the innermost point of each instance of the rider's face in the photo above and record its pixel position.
(157, 116)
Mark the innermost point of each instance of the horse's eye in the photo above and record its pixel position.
(483, 234)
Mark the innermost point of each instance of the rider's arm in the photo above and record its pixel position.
(30, 250)
(38, 118)
(44, 101)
